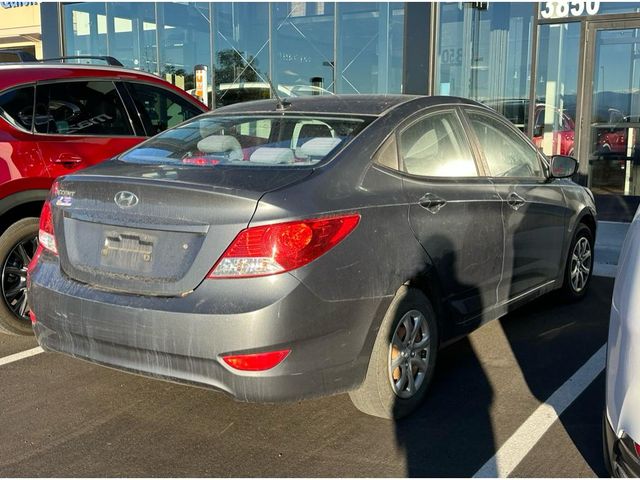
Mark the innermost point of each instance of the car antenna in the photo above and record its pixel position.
(282, 104)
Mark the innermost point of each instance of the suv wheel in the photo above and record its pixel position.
(403, 358)
(17, 246)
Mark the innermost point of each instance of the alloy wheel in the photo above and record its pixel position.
(581, 261)
(409, 354)
(14, 277)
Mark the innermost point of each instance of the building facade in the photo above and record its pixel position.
(567, 73)
(20, 27)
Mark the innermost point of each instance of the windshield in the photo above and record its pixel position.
(288, 140)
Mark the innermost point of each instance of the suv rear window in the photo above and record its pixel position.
(282, 140)
(81, 108)
(16, 106)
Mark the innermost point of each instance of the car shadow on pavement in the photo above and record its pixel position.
(551, 339)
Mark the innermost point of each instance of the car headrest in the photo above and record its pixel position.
(272, 155)
(318, 147)
(223, 145)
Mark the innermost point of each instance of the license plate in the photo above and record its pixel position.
(128, 251)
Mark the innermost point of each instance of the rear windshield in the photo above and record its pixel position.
(283, 140)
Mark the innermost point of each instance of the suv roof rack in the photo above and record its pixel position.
(110, 60)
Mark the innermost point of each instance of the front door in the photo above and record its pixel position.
(534, 212)
(610, 135)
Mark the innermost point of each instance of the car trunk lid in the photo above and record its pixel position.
(157, 230)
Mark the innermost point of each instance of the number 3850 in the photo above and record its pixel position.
(560, 9)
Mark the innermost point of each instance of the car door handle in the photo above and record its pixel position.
(431, 202)
(515, 201)
(68, 160)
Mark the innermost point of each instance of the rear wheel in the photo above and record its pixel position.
(17, 247)
(403, 358)
(577, 275)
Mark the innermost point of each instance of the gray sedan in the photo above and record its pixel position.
(278, 250)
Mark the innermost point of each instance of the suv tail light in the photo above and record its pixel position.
(280, 247)
(46, 235)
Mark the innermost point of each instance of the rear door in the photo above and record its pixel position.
(79, 123)
(534, 208)
(453, 210)
(158, 108)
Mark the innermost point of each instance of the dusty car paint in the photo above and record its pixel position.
(466, 253)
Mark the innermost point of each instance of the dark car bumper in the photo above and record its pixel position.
(619, 453)
(183, 338)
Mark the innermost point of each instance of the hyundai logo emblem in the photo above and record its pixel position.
(126, 199)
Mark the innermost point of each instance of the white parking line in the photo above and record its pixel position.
(20, 355)
(525, 438)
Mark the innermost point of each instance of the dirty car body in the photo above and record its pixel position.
(156, 272)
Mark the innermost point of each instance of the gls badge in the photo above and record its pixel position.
(126, 199)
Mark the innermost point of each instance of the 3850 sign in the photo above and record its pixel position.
(562, 9)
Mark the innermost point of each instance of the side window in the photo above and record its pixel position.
(433, 147)
(81, 108)
(387, 154)
(160, 109)
(507, 154)
(16, 106)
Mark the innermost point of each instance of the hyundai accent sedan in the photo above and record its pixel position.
(283, 250)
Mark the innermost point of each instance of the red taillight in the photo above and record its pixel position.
(280, 247)
(32, 316)
(46, 235)
(256, 361)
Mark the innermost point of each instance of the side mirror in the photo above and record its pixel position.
(538, 130)
(562, 166)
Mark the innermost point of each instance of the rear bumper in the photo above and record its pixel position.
(183, 338)
(619, 453)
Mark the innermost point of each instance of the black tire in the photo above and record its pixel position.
(569, 291)
(22, 231)
(376, 396)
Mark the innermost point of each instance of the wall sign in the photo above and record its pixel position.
(563, 9)
(17, 4)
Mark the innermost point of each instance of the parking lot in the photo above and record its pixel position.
(63, 417)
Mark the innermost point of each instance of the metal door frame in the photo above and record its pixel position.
(585, 86)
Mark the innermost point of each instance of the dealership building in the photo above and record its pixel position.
(564, 72)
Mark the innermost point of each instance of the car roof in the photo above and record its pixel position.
(374, 104)
(12, 74)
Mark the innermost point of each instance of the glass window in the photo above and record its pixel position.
(85, 29)
(81, 108)
(185, 41)
(431, 147)
(507, 154)
(247, 141)
(387, 154)
(132, 34)
(159, 108)
(16, 106)
(241, 52)
(370, 47)
(484, 53)
(302, 46)
(557, 88)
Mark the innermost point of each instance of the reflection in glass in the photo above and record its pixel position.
(615, 114)
(369, 50)
(302, 50)
(241, 52)
(133, 35)
(484, 53)
(556, 88)
(85, 29)
(184, 40)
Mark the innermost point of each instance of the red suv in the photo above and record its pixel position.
(55, 119)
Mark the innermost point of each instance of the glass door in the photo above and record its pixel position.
(611, 131)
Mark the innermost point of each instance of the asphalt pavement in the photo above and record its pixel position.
(64, 417)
